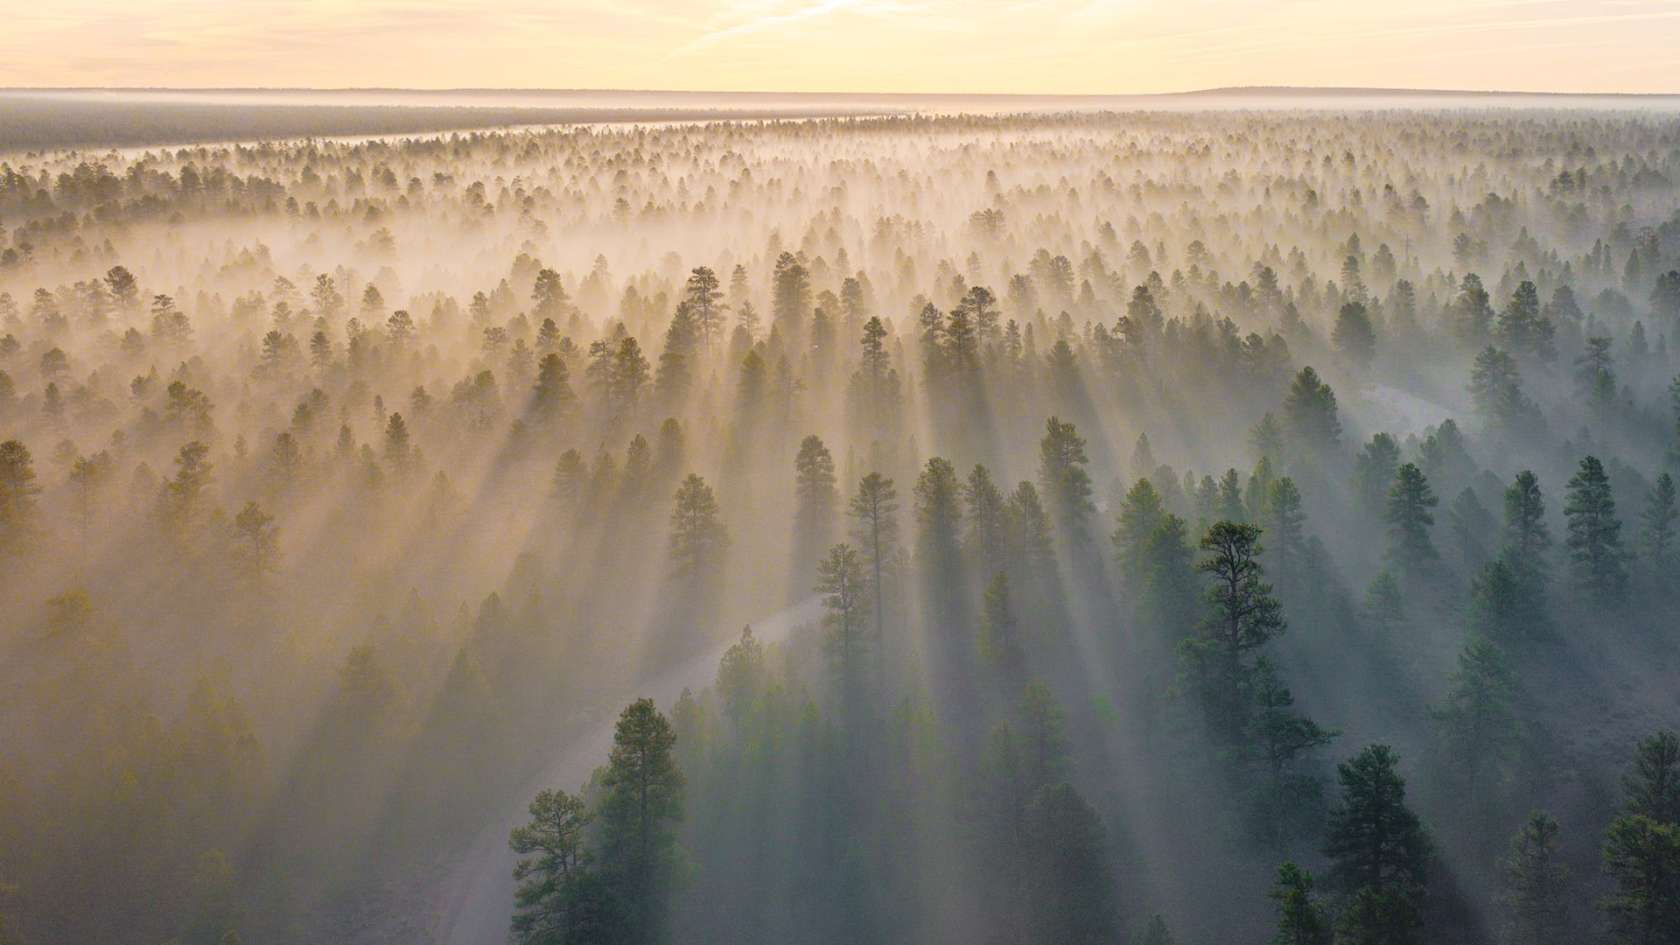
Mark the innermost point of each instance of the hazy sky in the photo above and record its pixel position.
(1069, 46)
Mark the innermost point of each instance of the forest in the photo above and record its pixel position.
(1148, 527)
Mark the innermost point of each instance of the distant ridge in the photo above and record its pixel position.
(1350, 91)
(1228, 91)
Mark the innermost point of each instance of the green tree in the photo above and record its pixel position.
(1241, 616)
(1642, 856)
(183, 497)
(1066, 484)
(1536, 886)
(1477, 725)
(790, 296)
(875, 529)
(552, 397)
(841, 582)
(559, 899)
(1385, 606)
(1659, 544)
(1378, 851)
(641, 804)
(1171, 592)
(1301, 917)
(17, 498)
(1409, 520)
(1309, 413)
(986, 537)
(999, 638)
(1353, 335)
(698, 536)
(1527, 539)
(705, 301)
(1653, 786)
(939, 531)
(1596, 559)
(1279, 739)
(1374, 471)
(1140, 515)
(1283, 517)
(1070, 886)
(258, 542)
(816, 500)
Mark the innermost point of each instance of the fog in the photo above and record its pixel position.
(1027, 521)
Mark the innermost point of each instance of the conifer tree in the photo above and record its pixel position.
(1409, 520)
(560, 900)
(1659, 543)
(698, 536)
(1596, 560)
(874, 511)
(1066, 484)
(816, 500)
(1527, 539)
(1242, 616)
(1140, 515)
(1301, 917)
(1378, 852)
(1536, 885)
(17, 498)
(641, 803)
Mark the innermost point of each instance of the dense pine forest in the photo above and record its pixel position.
(1142, 528)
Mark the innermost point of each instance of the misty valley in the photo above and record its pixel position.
(1194, 525)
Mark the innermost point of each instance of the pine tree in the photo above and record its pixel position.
(875, 530)
(1140, 515)
(986, 518)
(1384, 605)
(1501, 609)
(1374, 472)
(938, 496)
(1072, 897)
(1242, 616)
(1066, 484)
(17, 498)
(552, 397)
(1378, 852)
(791, 295)
(1309, 413)
(999, 637)
(1284, 519)
(1477, 724)
(1409, 520)
(1171, 592)
(558, 900)
(698, 537)
(1642, 847)
(1596, 560)
(258, 538)
(1659, 544)
(1536, 895)
(1653, 786)
(642, 802)
(841, 582)
(1527, 539)
(399, 454)
(1301, 917)
(1353, 335)
(704, 299)
(1279, 739)
(816, 500)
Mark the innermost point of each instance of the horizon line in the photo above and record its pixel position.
(1348, 90)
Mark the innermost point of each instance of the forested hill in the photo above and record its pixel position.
(1236, 525)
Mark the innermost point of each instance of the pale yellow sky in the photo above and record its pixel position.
(1030, 46)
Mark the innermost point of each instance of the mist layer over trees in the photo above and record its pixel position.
(1199, 527)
